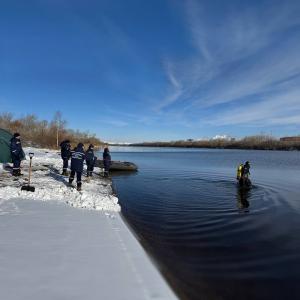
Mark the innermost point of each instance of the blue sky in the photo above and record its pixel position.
(154, 70)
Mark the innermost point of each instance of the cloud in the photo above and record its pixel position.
(243, 58)
(280, 109)
(176, 87)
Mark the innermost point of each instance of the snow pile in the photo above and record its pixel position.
(50, 185)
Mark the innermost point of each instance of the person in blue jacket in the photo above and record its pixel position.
(65, 147)
(106, 161)
(77, 159)
(17, 153)
(90, 159)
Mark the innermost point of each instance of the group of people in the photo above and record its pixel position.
(78, 155)
(242, 176)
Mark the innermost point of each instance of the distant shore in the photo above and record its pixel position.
(247, 143)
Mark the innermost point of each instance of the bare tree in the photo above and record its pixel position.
(59, 124)
(41, 133)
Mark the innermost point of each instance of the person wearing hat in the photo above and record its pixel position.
(77, 159)
(65, 147)
(90, 159)
(17, 153)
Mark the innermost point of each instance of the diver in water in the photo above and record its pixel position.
(243, 172)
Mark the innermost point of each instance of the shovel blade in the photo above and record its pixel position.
(28, 188)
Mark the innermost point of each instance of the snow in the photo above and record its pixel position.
(50, 185)
(52, 250)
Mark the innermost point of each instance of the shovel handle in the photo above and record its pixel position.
(29, 170)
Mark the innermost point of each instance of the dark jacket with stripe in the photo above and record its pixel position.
(77, 159)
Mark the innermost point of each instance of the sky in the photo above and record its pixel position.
(134, 70)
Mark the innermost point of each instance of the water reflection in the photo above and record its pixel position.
(243, 194)
(123, 173)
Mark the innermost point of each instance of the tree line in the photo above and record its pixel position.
(255, 142)
(42, 133)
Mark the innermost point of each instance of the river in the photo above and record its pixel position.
(210, 239)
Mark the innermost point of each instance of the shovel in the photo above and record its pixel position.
(27, 187)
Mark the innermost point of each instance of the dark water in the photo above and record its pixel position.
(210, 239)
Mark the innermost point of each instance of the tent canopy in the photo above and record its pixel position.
(5, 155)
(5, 138)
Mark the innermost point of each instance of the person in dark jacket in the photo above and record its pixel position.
(106, 161)
(17, 153)
(77, 159)
(65, 147)
(90, 159)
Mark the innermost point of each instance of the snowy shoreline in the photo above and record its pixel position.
(50, 185)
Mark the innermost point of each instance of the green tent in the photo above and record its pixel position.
(5, 138)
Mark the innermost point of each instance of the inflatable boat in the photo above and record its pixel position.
(117, 165)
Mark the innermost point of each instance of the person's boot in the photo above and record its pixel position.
(79, 186)
(70, 181)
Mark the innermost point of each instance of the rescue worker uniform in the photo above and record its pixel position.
(90, 159)
(65, 147)
(106, 161)
(16, 154)
(77, 159)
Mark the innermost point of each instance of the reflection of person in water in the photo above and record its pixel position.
(242, 199)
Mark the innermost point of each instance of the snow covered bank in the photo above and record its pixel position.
(51, 251)
(50, 185)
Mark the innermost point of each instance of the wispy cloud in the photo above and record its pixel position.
(243, 56)
(176, 87)
(282, 108)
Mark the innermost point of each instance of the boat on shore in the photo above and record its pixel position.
(117, 165)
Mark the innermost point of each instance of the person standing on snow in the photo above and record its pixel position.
(65, 147)
(17, 154)
(106, 161)
(77, 159)
(90, 159)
